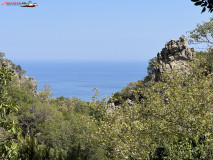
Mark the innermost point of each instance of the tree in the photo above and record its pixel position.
(150, 69)
(172, 121)
(7, 107)
(46, 94)
(2, 54)
(206, 4)
(20, 70)
(202, 34)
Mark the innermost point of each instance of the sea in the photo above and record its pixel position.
(78, 79)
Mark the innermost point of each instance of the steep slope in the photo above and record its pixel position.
(174, 56)
(19, 73)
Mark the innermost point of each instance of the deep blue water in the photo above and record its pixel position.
(77, 79)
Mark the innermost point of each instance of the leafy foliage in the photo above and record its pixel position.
(2, 54)
(167, 119)
(206, 4)
(7, 106)
(202, 34)
(173, 120)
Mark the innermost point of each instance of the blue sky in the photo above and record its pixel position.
(94, 30)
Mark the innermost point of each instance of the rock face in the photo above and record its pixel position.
(173, 56)
(18, 72)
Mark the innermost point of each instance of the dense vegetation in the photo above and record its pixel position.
(168, 119)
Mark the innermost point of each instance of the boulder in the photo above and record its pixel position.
(173, 56)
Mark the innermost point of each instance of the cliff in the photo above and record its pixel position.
(19, 73)
(173, 56)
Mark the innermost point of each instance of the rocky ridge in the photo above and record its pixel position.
(18, 72)
(173, 56)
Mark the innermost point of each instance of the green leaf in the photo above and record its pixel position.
(204, 9)
(14, 130)
(198, 3)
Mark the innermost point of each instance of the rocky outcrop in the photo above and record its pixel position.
(174, 56)
(18, 72)
(17, 69)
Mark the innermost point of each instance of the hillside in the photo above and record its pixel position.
(173, 57)
(19, 73)
(168, 115)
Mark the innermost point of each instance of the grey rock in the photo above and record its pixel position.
(129, 102)
(19, 75)
(173, 56)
